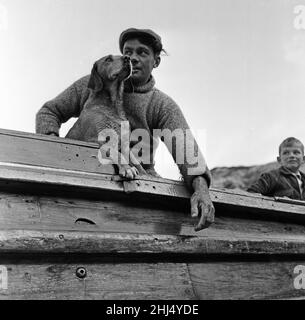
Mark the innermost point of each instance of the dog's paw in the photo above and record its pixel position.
(129, 173)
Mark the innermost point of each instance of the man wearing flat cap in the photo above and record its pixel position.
(146, 108)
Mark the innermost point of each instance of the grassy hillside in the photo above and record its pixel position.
(239, 177)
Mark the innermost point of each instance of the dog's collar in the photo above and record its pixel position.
(129, 87)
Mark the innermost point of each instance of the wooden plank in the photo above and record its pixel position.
(54, 213)
(255, 201)
(38, 150)
(145, 281)
(59, 177)
(58, 213)
(50, 242)
(225, 201)
(37, 278)
(36, 136)
(51, 152)
(247, 202)
(245, 280)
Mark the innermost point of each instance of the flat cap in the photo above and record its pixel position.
(137, 32)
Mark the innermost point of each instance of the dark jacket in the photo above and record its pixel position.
(279, 182)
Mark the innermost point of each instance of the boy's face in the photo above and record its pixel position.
(291, 157)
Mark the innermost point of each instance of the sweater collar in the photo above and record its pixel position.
(130, 88)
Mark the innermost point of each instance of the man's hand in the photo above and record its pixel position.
(201, 204)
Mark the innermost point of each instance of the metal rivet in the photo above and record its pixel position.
(81, 273)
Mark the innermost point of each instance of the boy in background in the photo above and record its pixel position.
(288, 180)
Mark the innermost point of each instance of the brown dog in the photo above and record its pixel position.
(104, 110)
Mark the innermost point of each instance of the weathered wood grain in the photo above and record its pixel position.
(37, 279)
(51, 152)
(149, 190)
(245, 280)
(37, 136)
(76, 242)
(57, 213)
(59, 177)
(227, 201)
(103, 281)
(42, 151)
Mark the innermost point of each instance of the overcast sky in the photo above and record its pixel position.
(235, 67)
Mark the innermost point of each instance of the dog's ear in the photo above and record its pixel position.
(95, 82)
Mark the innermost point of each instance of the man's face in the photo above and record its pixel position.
(143, 60)
(291, 157)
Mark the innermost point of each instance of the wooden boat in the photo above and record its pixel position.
(71, 229)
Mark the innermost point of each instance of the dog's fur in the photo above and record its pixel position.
(104, 109)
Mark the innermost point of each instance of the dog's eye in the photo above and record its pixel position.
(108, 59)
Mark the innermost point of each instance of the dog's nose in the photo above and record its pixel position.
(126, 58)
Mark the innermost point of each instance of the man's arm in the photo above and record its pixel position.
(183, 147)
(201, 204)
(189, 160)
(66, 105)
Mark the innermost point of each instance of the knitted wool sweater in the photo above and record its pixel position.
(147, 108)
